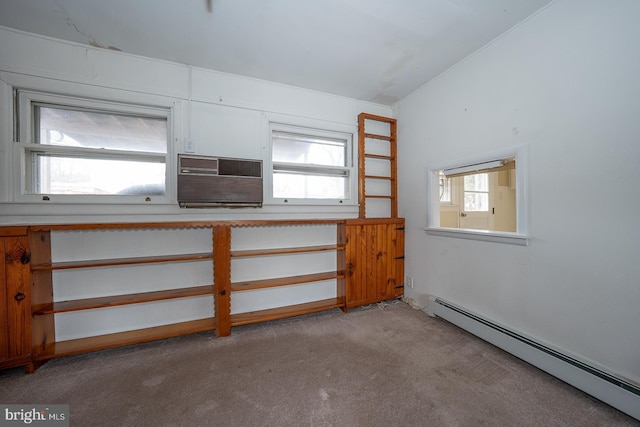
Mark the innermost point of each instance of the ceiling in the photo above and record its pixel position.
(373, 50)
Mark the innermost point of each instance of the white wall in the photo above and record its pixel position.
(565, 83)
(229, 117)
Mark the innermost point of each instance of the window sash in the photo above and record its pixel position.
(330, 165)
(144, 154)
(110, 130)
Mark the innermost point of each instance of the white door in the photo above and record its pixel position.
(476, 201)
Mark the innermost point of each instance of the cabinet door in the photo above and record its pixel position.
(375, 262)
(16, 311)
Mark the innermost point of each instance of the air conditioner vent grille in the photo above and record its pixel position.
(239, 167)
(198, 162)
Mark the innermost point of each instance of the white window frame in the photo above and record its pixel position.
(519, 237)
(25, 135)
(328, 130)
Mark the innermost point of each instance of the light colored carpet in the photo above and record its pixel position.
(382, 365)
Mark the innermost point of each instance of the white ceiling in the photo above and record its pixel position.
(373, 50)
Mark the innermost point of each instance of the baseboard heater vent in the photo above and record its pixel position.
(619, 393)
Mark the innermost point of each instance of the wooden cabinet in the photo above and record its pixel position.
(374, 256)
(15, 309)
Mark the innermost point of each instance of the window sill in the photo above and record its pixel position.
(482, 235)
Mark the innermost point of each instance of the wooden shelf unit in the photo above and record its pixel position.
(391, 158)
(351, 276)
(43, 307)
(296, 309)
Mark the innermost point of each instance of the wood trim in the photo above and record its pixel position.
(362, 190)
(222, 279)
(179, 224)
(120, 225)
(10, 231)
(394, 167)
(370, 221)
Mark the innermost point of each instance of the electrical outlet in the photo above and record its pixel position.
(189, 146)
(409, 281)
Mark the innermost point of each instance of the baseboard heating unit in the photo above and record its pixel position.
(619, 393)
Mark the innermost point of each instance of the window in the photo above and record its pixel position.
(74, 147)
(482, 199)
(310, 164)
(476, 192)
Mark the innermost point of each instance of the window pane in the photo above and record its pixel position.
(476, 182)
(300, 186)
(75, 175)
(105, 130)
(478, 202)
(303, 149)
(445, 188)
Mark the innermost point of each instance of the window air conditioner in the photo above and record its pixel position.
(218, 181)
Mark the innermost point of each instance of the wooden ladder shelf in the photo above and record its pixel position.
(365, 121)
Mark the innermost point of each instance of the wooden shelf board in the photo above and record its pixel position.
(282, 312)
(280, 251)
(116, 300)
(122, 261)
(102, 342)
(375, 136)
(378, 156)
(368, 116)
(181, 224)
(123, 225)
(377, 196)
(285, 281)
(378, 177)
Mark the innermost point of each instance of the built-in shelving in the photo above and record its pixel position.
(296, 309)
(365, 120)
(44, 308)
